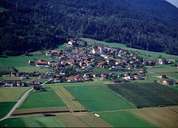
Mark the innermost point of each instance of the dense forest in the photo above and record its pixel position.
(40, 24)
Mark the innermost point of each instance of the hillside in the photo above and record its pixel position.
(37, 24)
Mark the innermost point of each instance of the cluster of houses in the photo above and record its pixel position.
(80, 62)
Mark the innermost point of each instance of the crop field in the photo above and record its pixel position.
(163, 117)
(40, 99)
(98, 98)
(68, 99)
(11, 94)
(125, 119)
(5, 107)
(147, 94)
(33, 121)
(8, 98)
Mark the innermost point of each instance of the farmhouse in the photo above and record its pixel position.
(42, 63)
(167, 82)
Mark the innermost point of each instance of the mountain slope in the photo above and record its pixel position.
(35, 24)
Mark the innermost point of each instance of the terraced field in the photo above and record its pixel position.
(147, 94)
(98, 98)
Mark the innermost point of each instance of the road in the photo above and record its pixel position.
(20, 101)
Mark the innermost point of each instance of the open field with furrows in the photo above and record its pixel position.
(125, 119)
(83, 119)
(147, 94)
(98, 98)
(68, 99)
(8, 98)
(164, 117)
(41, 99)
(34, 111)
(143, 53)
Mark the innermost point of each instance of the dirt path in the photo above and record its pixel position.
(19, 102)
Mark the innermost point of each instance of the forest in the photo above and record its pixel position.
(27, 26)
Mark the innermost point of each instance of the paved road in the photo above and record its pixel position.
(19, 102)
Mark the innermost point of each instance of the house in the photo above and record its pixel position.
(167, 82)
(42, 63)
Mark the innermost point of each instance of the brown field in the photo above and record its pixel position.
(81, 119)
(68, 99)
(39, 111)
(164, 117)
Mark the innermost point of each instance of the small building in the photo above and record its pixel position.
(42, 63)
(167, 82)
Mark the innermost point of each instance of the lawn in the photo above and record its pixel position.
(5, 108)
(40, 99)
(11, 94)
(147, 94)
(32, 122)
(98, 98)
(124, 119)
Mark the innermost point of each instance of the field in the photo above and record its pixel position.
(147, 94)
(163, 117)
(40, 99)
(98, 98)
(21, 62)
(5, 107)
(32, 122)
(125, 119)
(11, 94)
(8, 98)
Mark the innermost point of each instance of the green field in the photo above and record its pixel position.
(5, 108)
(32, 122)
(124, 119)
(98, 98)
(21, 62)
(11, 94)
(40, 99)
(147, 94)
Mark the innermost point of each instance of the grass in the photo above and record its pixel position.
(124, 119)
(11, 94)
(32, 122)
(98, 98)
(40, 99)
(21, 62)
(5, 108)
(147, 94)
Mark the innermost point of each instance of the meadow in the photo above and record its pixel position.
(125, 119)
(40, 99)
(147, 94)
(8, 98)
(99, 98)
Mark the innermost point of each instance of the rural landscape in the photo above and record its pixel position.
(89, 63)
(36, 93)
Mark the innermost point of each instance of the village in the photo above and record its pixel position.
(80, 61)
